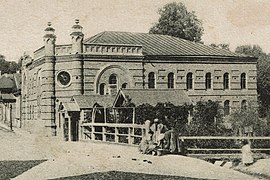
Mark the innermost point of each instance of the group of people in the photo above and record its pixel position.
(159, 139)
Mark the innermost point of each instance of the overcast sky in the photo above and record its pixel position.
(22, 22)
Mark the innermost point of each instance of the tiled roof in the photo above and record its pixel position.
(8, 98)
(71, 106)
(154, 96)
(7, 82)
(159, 45)
(88, 101)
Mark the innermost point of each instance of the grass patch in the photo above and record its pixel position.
(112, 175)
(11, 169)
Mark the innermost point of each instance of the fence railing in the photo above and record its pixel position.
(113, 132)
(230, 147)
(207, 146)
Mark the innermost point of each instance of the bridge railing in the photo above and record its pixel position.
(221, 145)
(113, 132)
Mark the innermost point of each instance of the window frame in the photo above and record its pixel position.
(208, 81)
(227, 108)
(151, 80)
(189, 81)
(171, 80)
(243, 81)
(226, 81)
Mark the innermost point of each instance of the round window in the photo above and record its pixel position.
(64, 78)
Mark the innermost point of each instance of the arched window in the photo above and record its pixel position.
(102, 89)
(226, 81)
(208, 81)
(170, 80)
(226, 107)
(244, 105)
(189, 81)
(243, 81)
(113, 79)
(124, 86)
(151, 80)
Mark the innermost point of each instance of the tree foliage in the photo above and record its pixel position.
(242, 119)
(8, 66)
(207, 119)
(169, 114)
(175, 20)
(221, 46)
(263, 75)
(249, 50)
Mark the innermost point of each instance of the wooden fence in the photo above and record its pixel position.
(224, 152)
(132, 134)
(113, 132)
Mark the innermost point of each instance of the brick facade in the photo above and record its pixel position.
(58, 72)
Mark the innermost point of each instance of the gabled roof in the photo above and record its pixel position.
(160, 45)
(153, 96)
(88, 101)
(7, 82)
(9, 98)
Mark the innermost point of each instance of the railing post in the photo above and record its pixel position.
(116, 137)
(133, 117)
(80, 125)
(105, 115)
(103, 133)
(92, 126)
(130, 135)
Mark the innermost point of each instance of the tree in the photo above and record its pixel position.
(207, 119)
(176, 21)
(243, 119)
(8, 67)
(263, 75)
(249, 50)
(221, 46)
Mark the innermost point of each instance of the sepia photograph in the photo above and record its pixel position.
(134, 89)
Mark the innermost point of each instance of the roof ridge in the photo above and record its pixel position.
(161, 44)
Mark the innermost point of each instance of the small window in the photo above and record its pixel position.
(102, 89)
(170, 80)
(226, 81)
(124, 86)
(189, 81)
(208, 81)
(151, 80)
(243, 81)
(226, 107)
(244, 105)
(113, 79)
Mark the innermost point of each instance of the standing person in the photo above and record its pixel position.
(247, 158)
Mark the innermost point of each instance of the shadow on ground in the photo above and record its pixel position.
(11, 169)
(111, 175)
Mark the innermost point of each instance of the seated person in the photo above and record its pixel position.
(147, 145)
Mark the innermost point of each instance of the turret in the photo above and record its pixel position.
(49, 40)
(77, 37)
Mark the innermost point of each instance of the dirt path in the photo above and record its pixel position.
(76, 158)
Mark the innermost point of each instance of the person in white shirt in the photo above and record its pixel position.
(247, 158)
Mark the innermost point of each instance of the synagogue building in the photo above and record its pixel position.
(93, 70)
